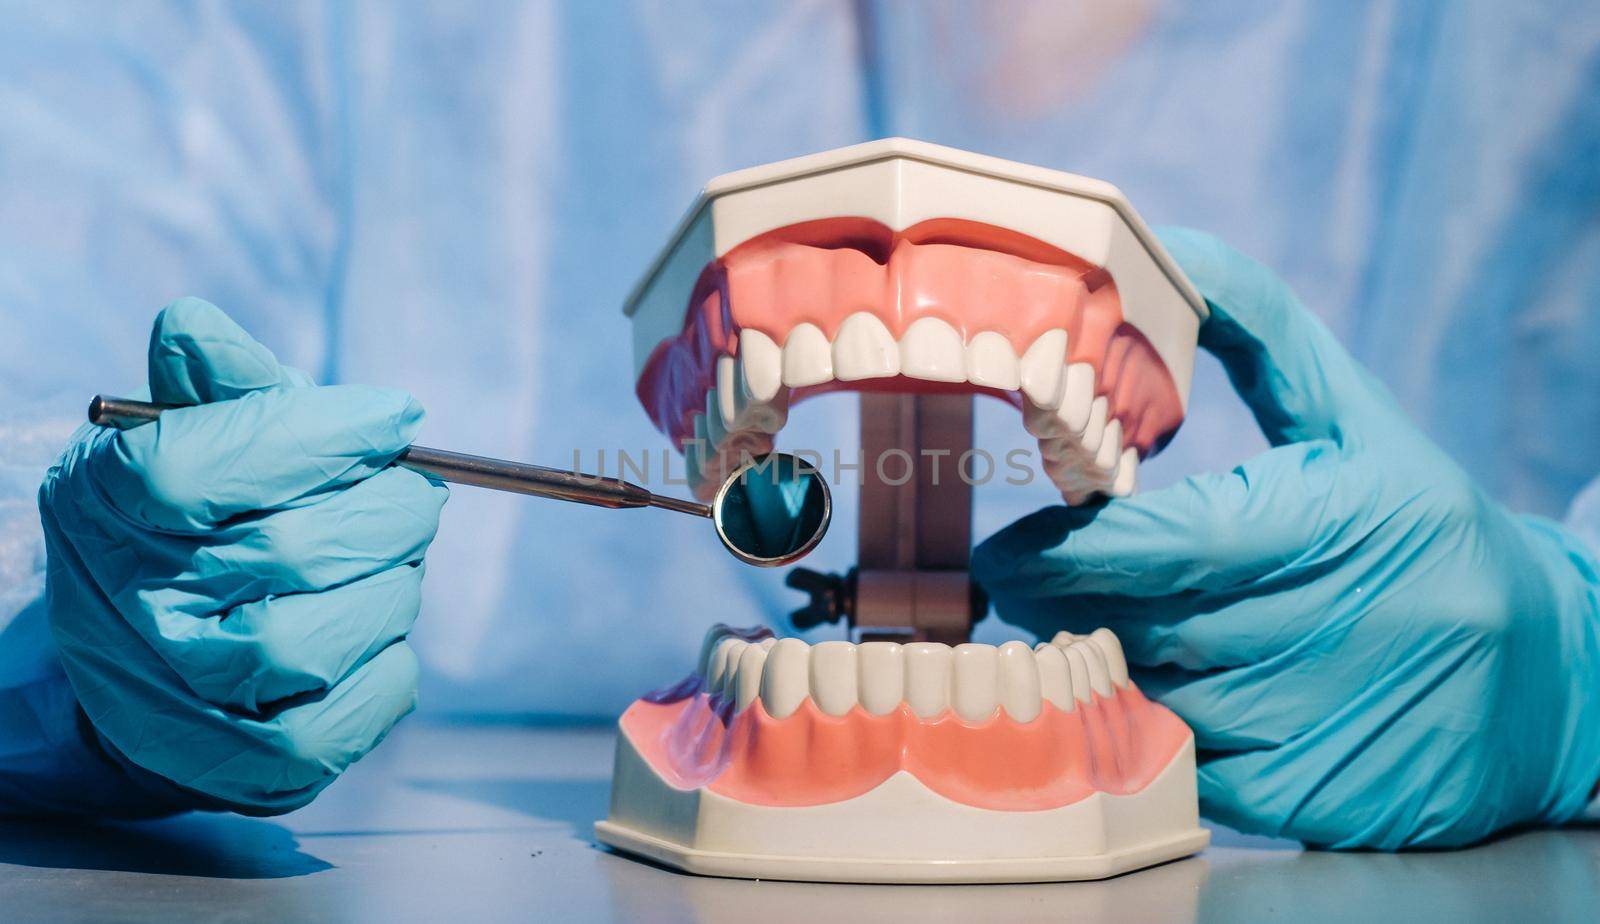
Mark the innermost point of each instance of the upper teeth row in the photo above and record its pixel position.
(1082, 447)
(973, 680)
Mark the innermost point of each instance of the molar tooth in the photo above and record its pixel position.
(1110, 448)
(881, 673)
(1055, 678)
(932, 350)
(762, 362)
(727, 391)
(1042, 370)
(833, 677)
(785, 679)
(1127, 480)
(990, 362)
(927, 666)
(1020, 683)
(807, 357)
(1077, 672)
(716, 431)
(1043, 422)
(1095, 432)
(863, 349)
(747, 685)
(1077, 396)
(975, 690)
(723, 662)
(1099, 674)
(1111, 647)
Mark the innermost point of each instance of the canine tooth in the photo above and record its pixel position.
(881, 676)
(1110, 448)
(1020, 687)
(927, 666)
(833, 677)
(762, 363)
(1095, 432)
(1077, 672)
(1055, 678)
(863, 349)
(1041, 369)
(932, 350)
(990, 362)
(1127, 480)
(807, 357)
(974, 691)
(1111, 647)
(747, 686)
(1099, 674)
(786, 680)
(1077, 396)
(751, 412)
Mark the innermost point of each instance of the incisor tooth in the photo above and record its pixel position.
(833, 677)
(932, 350)
(1055, 679)
(1077, 396)
(974, 691)
(1077, 672)
(807, 357)
(991, 363)
(1020, 686)
(927, 666)
(762, 362)
(748, 685)
(881, 676)
(1127, 480)
(1041, 369)
(785, 679)
(1099, 674)
(1110, 448)
(863, 349)
(1111, 647)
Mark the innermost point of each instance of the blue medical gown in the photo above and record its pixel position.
(456, 198)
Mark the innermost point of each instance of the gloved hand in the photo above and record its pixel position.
(1371, 652)
(230, 587)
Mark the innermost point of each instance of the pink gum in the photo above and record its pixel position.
(973, 276)
(1115, 745)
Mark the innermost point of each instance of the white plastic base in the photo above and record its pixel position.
(901, 832)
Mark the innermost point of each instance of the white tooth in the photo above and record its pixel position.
(1042, 367)
(927, 666)
(1077, 396)
(767, 643)
(807, 357)
(1127, 473)
(747, 686)
(1055, 679)
(727, 391)
(974, 691)
(932, 350)
(1064, 639)
(1020, 686)
(716, 432)
(1096, 430)
(786, 678)
(881, 676)
(1099, 674)
(833, 677)
(863, 349)
(1110, 448)
(708, 648)
(1111, 647)
(753, 413)
(991, 362)
(763, 364)
(723, 662)
(1077, 671)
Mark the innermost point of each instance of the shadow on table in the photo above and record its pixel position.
(577, 803)
(197, 844)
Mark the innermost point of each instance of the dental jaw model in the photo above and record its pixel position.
(919, 276)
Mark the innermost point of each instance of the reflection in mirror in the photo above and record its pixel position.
(773, 510)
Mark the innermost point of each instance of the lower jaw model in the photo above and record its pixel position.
(922, 761)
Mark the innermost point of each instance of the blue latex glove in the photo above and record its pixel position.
(230, 588)
(1371, 652)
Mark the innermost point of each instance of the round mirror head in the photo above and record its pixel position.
(773, 510)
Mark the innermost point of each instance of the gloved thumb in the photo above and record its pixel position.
(199, 355)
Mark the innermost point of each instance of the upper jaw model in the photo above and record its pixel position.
(918, 275)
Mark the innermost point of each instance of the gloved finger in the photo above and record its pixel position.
(1297, 379)
(198, 355)
(197, 466)
(268, 650)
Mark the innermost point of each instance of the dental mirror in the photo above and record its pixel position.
(771, 511)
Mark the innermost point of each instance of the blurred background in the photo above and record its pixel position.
(455, 199)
